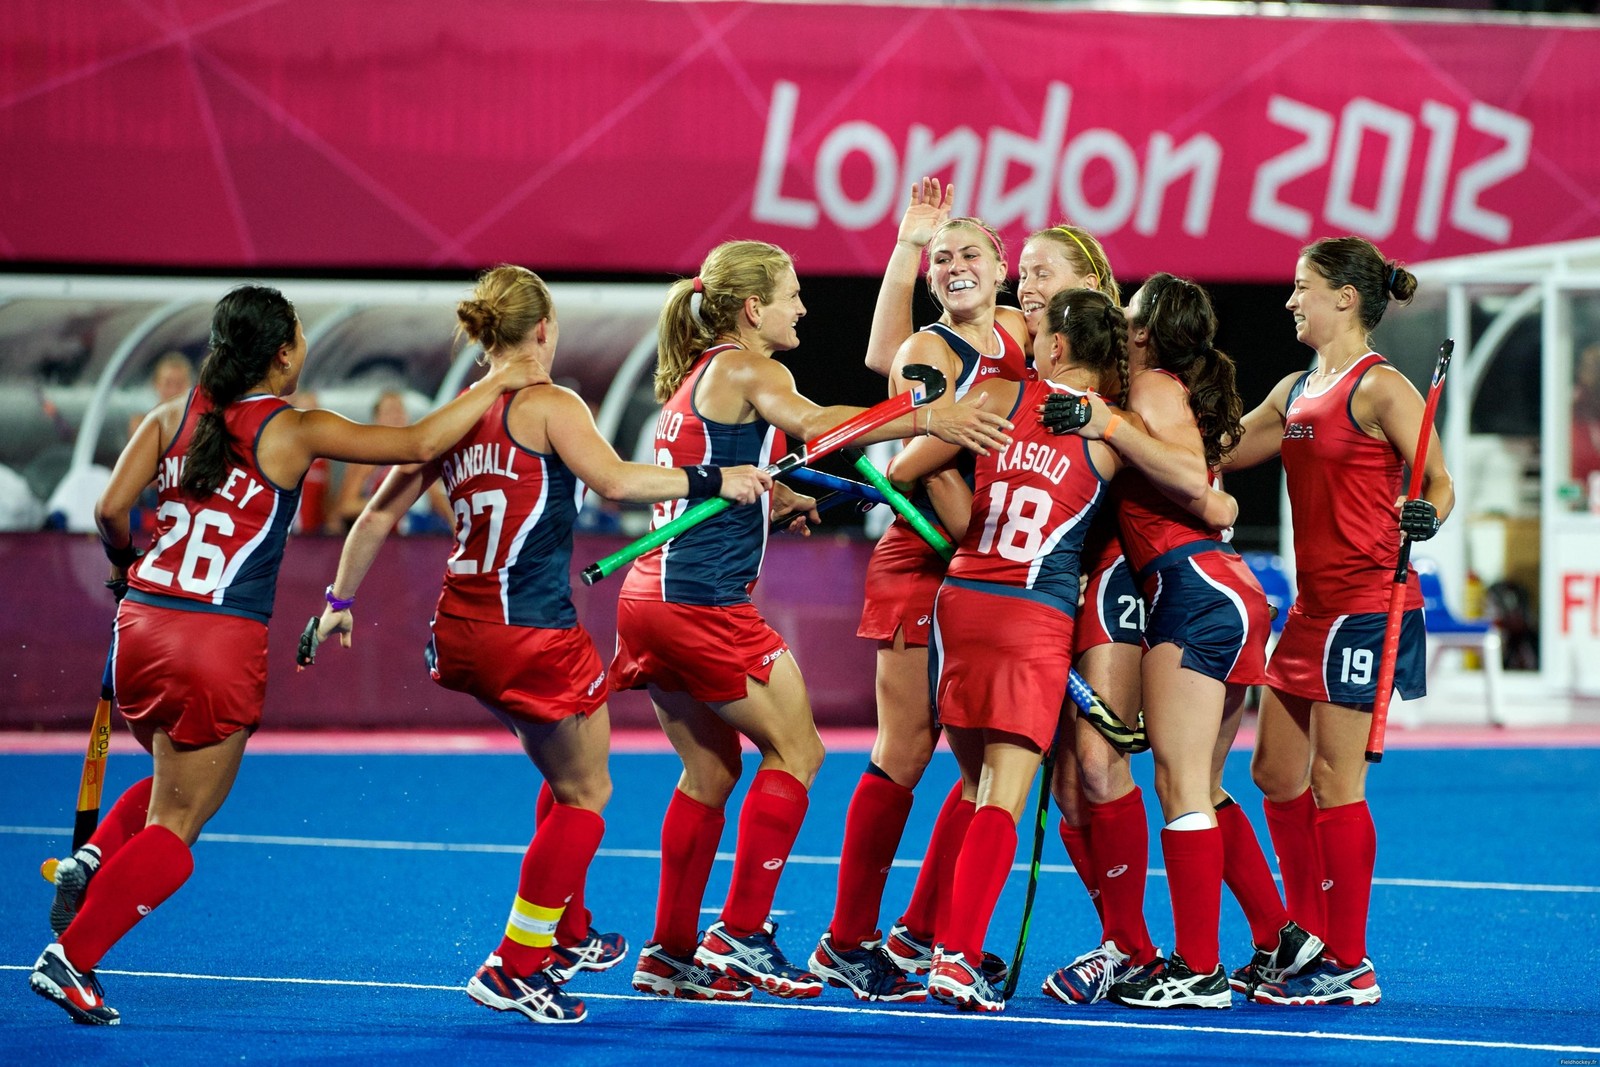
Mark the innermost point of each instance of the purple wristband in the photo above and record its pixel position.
(338, 603)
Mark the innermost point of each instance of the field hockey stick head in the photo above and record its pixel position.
(931, 380)
(1446, 350)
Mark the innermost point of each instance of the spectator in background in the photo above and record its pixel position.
(360, 481)
(171, 376)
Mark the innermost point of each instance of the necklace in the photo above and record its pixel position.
(1346, 365)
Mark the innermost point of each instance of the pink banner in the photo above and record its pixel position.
(632, 136)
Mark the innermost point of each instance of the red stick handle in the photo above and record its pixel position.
(1397, 592)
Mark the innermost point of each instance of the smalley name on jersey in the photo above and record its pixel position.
(477, 459)
(237, 488)
(1032, 456)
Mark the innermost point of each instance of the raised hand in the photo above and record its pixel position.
(929, 209)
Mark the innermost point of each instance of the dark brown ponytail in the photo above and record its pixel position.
(248, 328)
(1182, 325)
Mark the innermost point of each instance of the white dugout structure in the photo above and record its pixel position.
(1520, 319)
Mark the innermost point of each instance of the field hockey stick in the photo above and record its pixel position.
(930, 386)
(1397, 592)
(1089, 703)
(1041, 819)
(823, 503)
(93, 778)
(823, 480)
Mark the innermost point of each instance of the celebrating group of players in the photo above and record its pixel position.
(1073, 461)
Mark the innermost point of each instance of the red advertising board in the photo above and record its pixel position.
(630, 135)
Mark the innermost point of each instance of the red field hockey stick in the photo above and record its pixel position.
(930, 386)
(1397, 592)
(93, 779)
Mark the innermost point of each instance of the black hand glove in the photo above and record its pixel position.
(1061, 413)
(1419, 520)
(118, 587)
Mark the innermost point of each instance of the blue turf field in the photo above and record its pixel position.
(340, 902)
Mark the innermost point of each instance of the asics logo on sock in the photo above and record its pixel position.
(772, 865)
(143, 909)
(1118, 871)
(1094, 894)
(1327, 884)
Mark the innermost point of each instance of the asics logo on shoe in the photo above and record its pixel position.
(1327, 884)
(773, 864)
(1118, 871)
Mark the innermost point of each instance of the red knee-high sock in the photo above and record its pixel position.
(689, 835)
(1120, 843)
(133, 883)
(576, 920)
(1245, 869)
(1293, 826)
(981, 868)
(1079, 842)
(939, 864)
(768, 825)
(872, 830)
(126, 818)
(1349, 849)
(1194, 878)
(553, 869)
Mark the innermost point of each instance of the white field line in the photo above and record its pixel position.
(919, 1014)
(60, 832)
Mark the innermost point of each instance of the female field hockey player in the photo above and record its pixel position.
(966, 268)
(191, 639)
(1346, 430)
(1206, 629)
(999, 684)
(506, 632)
(687, 631)
(1097, 786)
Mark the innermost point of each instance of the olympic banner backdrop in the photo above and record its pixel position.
(629, 135)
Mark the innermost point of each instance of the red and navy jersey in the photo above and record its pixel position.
(977, 367)
(1031, 509)
(514, 512)
(218, 552)
(1342, 489)
(717, 562)
(1153, 524)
